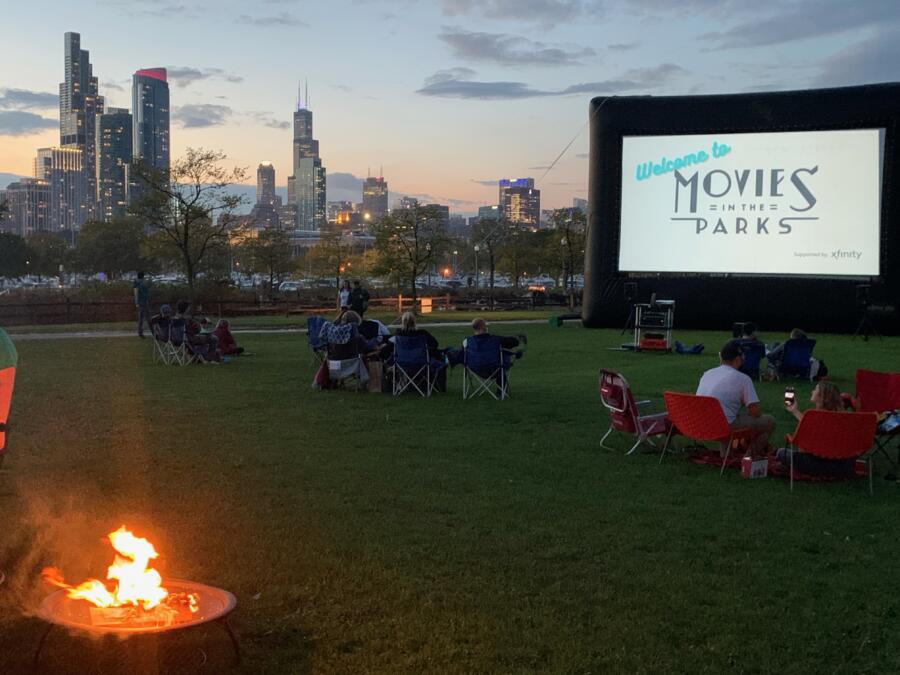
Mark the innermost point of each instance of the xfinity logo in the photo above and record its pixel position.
(840, 254)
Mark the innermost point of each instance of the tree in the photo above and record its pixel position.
(407, 241)
(189, 205)
(489, 235)
(330, 255)
(269, 253)
(571, 226)
(47, 253)
(514, 252)
(13, 255)
(111, 247)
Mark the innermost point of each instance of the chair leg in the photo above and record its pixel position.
(871, 468)
(725, 459)
(605, 436)
(791, 450)
(665, 446)
(635, 446)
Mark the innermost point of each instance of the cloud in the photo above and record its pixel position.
(184, 76)
(805, 20)
(24, 99)
(20, 123)
(199, 116)
(268, 119)
(283, 19)
(510, 50)
(112, 85)
(866, 62)
(344, 181)
(488, 183)
(545, 12)
(622, 46)
(455, 83)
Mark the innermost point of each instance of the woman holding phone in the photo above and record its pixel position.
(825, 396)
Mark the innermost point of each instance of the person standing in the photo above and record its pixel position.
(359, 298)
(142, 302)
(344, 295)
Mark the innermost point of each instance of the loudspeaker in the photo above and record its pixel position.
(630, 291)
(862, 295)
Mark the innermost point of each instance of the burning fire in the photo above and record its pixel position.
(135, 584)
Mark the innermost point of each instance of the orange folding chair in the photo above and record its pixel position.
(8, 360)
(834, 435)
(702, 419)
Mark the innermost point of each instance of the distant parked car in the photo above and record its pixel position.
(289, 287)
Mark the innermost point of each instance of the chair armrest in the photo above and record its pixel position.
(647, 402)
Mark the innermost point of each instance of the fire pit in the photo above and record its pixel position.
(138, 603)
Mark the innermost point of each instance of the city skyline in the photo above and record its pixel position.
(448, 96)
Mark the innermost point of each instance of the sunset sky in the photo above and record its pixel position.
(446, 95)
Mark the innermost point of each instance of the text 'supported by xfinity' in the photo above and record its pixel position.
(804, 202)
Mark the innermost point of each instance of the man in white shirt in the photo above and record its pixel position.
(734, 390)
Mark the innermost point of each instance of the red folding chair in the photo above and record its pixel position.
(8, 361)
(616, 396)
(834, 435)
(702, 419)
(879, 393)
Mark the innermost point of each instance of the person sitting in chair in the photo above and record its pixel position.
(227, 344)
(436, 354)
(775, 351)
(480, 332)
(159, 323)
(825, 396)
(734, 390)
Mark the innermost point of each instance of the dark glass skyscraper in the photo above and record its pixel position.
(150, 112)
(306, 188)
(79, 103)
(375, 198)
(114, 155)
(265, 184)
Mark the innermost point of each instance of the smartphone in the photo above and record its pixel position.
(789, 396)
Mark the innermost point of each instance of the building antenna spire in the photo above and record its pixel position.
(306, 94)
(299, 101)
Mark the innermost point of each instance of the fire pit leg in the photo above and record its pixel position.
(234, 641)
(40, 647)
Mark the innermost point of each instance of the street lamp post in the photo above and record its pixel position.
(476, 267)
(455, 262)
(428, 260)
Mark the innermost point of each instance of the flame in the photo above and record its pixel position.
(136, 584)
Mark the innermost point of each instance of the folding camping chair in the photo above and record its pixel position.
(345, 363)
(160, 334)
(412, 367)
(178, 349)
(754, 352)
(485, 368)
(795, 358)
(318, 346)
(879, 393)
(700, 418)
(834, 435)
(616, 396)
(8, 361)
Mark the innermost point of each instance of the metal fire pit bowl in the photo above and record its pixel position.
(214, 604)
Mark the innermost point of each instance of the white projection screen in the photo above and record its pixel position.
(778, 203)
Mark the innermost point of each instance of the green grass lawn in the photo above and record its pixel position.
(362, 533)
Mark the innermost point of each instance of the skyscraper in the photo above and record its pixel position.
(491, 212)
(265, 184)
(29, 207)
(150, 111)
(306, 188)
(520, 202)
(114, 155)
(375, 198)
(79, 103)
(63, 169)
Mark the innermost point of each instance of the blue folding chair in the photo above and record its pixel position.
(753, 351)
(318, 346)
(412, 367)
(485, 367)
(795, 358)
